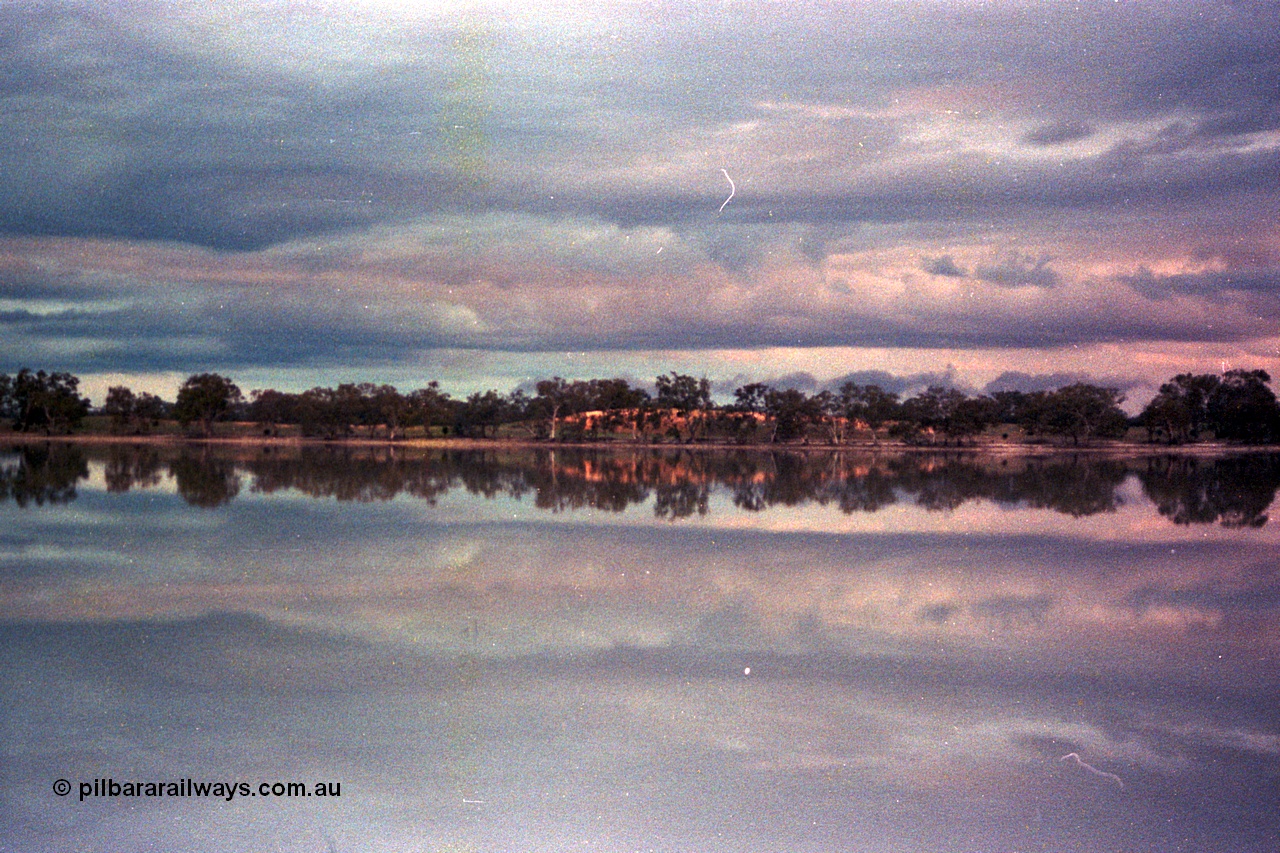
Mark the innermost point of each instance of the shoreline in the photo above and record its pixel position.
(999, 448)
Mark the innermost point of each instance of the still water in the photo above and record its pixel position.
(668, 651)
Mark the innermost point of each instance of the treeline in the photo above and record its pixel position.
(1237, 405)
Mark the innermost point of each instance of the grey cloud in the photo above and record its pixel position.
(937, 614)
(123, 327)
(121, 127)
(1018, 270)
(803, 381)
(945, 266)
(1015, 380)
(1210, 284)
(800, 381)
(904, 385)
(259, 121)
(1227, 70)
(189, 330)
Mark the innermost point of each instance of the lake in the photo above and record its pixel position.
(667, 650)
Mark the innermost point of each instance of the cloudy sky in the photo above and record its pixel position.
(301, 193)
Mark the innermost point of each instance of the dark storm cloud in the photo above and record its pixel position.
(152, 337)
(1226, 71)
(120, 131)
(231, 207)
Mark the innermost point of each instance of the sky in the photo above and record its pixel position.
(1002, 194)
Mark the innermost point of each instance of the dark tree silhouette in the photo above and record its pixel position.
(204, 398)
(39, 400)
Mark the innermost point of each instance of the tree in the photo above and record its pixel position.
(48, 400)
(119, 407)
(430, 407)
(790, 411)
(8, 405)
(870, 404)
(936, 408)
(271, 408)
(481, 410)
(1181, 408)
(750, 398)
(1243, 408)
(136, 413)
(556, 397)
(622, 403)
(970, 416)
(205, 397)
(831, 409)
(690, 397)
(148, 409)
(683, 393)
(1084, 411)
(391, 408)
(1025, 409)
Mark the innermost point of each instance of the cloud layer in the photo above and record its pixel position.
(281, 188)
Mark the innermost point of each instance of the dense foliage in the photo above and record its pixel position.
(1236, 406)
(42, 401)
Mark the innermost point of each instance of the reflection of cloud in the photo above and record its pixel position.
(1208, 599)
(664, 739)
(538, 661)
(1013, 609)
(501, 589)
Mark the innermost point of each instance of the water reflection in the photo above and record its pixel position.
(1232, 490)
(1235, 491)
(42, 474)
(588, 675)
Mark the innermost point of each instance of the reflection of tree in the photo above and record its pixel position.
(42, 474)
(347, 474)
(1235, 491)
(1076, 486)
(869, 492)
(680, 500)
(129, 467)
(944, 484)
(205, 480)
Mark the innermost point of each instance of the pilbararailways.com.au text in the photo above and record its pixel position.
(110, 788)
